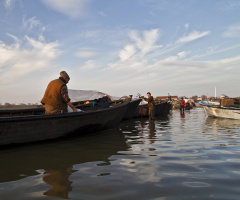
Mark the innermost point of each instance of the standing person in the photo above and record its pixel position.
(151, 106)
(56, 97)
(182, 105)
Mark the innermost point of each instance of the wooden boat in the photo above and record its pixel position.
(22, 112)
(132, 107)
(33, 128)
(160, 109)
(213, 109)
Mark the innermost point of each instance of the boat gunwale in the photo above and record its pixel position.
(221, 107)
(56, 116)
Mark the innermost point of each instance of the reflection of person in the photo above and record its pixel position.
(182, 105)
(56, 97)
(151, 106)
(59, 180)
(151, 127)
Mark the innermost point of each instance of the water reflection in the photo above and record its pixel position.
(59, 180)
(152, 131)
(224, 123)
(173, 157)
(57, 159)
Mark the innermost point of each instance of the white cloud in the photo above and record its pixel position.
(127, 52)
(9, 4)
(25, 57)
(179, 56)
(193, 36)
(89, 65)
(147, 42)
(71, 8)
(30, 23)
(86, 54)
(232, 31)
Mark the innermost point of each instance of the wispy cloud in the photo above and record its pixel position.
(9, 3)
(127, 52)
(25, 57)
(71, 8)
(193, 36)
(89, 65)
(86, 53)
(147, 41)
(30, 23)
(180, 55)
(232, 31)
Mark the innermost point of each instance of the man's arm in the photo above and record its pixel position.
(71, 106)
(66, 99)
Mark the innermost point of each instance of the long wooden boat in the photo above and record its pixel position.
(160, 109)
(33, 128)
(215, 110)
(22, 112)
(130, 111)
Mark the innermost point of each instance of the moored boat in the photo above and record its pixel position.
(34, 128)
(213, 109)
(160, 109)
(130, 111)
(132, 107)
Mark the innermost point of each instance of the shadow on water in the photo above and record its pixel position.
(55, 161)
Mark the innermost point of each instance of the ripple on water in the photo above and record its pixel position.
(177, 156)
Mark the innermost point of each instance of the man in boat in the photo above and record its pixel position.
(56, 97)
(151, 106)
(182, 105)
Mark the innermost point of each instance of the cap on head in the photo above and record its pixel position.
(64, 74)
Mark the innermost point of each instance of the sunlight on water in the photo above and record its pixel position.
(177, 156)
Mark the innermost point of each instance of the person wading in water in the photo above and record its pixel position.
(151, 106)
(182, 105)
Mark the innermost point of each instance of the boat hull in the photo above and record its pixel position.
(160, 109)
(132, 106)
(222, 112)
(25, 129)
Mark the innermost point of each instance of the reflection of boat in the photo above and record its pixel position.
(223, 122)
(160, 109)
(55, 162)
(32, 128)
(214, 110)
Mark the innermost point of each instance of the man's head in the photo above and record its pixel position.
(65, 76)
(149, 94)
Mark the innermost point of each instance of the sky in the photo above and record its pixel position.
(120, 47)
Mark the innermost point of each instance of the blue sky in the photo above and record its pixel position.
(180, 47)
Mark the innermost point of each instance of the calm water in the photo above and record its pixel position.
(175, 157)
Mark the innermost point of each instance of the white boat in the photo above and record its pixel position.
(213, 109)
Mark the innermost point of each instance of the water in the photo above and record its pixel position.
(176, 157)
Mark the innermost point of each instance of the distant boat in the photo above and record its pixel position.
(214, 109)
(34, 128)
